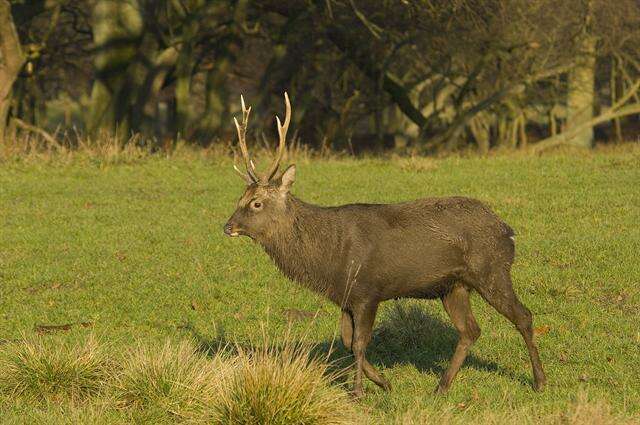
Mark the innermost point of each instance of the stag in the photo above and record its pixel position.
(359, 255)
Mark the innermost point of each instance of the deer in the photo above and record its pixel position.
(359, 255)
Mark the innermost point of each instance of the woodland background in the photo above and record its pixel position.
(420, 75)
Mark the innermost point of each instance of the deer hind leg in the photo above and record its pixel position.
(346, 328)
(456, 304)
(497, 289)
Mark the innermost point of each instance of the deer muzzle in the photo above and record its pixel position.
(230, 230)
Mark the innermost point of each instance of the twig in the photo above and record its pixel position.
(37, 130)
(373, 28)
(564, 137)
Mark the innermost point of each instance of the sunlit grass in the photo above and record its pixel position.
(35, 370)
(133, 249)
(283, 385)
(170, 382)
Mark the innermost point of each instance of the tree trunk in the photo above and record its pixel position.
(215, 114)
(581, 93)
(117, 29)
(11, 61)
(183, 91)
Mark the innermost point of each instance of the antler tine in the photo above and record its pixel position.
(246, 177)
(242, 131)
(282, 133)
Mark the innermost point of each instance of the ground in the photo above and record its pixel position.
(134, 250)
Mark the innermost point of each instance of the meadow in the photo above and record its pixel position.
(130, 252)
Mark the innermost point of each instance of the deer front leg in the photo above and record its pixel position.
(346, 330)
(363, 318)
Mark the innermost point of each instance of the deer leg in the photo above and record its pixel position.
(456, 304)
(346, 328)
(497, 290)
(363, 318)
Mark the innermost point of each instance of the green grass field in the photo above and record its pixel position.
(134, 251)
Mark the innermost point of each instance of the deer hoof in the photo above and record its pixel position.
(441, 389)
(539, 386)
(357, 394)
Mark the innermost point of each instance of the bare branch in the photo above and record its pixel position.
(39, 131)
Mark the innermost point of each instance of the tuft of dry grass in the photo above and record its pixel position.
(36, 370)
(175, 382)
(416, 164)
(283, 385)
(43, 381)
(110, 150)
(407, 324)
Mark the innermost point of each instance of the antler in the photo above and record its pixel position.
(251, 175)
(282, 132)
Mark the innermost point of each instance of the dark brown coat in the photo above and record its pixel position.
(359, 255)
(362, 254)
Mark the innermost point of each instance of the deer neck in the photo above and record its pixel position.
(302, 248)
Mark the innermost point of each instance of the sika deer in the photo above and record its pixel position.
(359, 255)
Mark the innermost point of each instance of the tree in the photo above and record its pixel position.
(11, 61)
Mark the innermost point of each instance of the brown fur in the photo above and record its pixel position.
(362, 254)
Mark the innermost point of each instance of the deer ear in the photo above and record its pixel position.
(287, 178)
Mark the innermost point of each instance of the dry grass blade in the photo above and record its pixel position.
(36, 370)
(283, 385)
(175, 382)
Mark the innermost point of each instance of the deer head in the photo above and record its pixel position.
(262, 208)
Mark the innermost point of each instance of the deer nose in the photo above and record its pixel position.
(227, 229)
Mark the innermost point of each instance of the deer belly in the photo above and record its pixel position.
(418, 276)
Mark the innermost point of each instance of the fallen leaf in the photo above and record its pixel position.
(542, 330)
(195, 305)
(88, 205)
(86, 324)
(584, 377)
(462, 405)
(120, 255)
(43, 329)
(562, 357)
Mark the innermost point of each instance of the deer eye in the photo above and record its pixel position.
(256, 205)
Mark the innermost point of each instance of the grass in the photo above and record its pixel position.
(160, 384)
(284, 385)
(131, 249)
(174, 382)
(37, 371)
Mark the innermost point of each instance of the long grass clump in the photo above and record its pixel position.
(35, 370)
(283, 385)
(45, 380)
(174, 382)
